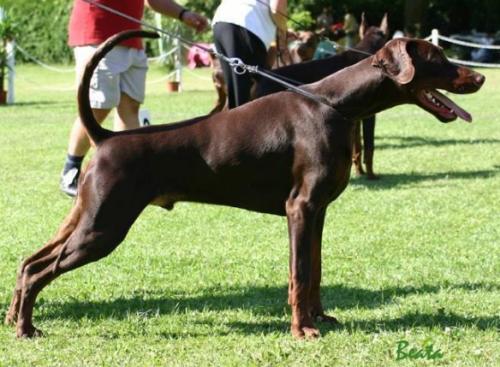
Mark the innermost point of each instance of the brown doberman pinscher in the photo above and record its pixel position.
(283, 154)
(309, 71)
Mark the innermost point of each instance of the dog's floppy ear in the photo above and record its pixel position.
(363, 26)
(395, 61)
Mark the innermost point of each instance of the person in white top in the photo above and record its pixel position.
(245, 29)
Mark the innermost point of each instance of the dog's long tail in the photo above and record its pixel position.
(95, 131)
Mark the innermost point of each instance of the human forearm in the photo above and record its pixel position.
(279, 14)
(172, 9)
(165, 7)
(278, 9)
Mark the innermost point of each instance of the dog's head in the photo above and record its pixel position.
(303, 47)
(419, 69)
(372, 37)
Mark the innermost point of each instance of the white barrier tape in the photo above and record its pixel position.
(468, 44)
(162, 56)
(163, 78)
(48, 67)
(473, 63)
(73, 88)
(37, 86)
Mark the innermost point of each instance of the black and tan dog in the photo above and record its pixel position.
(282, 154)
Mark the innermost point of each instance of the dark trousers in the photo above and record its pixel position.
(234, 41)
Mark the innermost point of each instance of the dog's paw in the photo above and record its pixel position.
(10, 319)
(301, 332)
(29, 332)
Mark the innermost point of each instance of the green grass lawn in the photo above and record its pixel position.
(414, 256)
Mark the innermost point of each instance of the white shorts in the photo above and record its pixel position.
(122, 70)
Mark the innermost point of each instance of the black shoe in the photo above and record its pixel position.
(69, 181)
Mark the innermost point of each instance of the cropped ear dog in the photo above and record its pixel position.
(307, 71)
(282, 154)
(365, 155)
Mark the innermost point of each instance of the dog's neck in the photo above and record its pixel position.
(359, 91)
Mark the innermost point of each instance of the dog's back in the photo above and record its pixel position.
(314, 70)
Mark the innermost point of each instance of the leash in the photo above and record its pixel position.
(238, 66)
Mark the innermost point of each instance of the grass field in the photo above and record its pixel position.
(413, 257)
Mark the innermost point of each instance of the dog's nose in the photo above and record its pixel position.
(479, 79)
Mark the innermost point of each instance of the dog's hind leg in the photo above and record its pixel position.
(356, 150)
(369, 146)
(102, 226)
(62, 235)
(82, 247)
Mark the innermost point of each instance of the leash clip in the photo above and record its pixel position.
(239, 67)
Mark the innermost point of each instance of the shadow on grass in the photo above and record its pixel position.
(271, 301)
(389, 181)
(404, 142)
(41, 103)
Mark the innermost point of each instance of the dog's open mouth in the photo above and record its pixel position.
(441, 106)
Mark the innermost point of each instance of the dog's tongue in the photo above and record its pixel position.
(464, 115)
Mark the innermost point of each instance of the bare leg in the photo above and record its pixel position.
(127, 114)
(79, 142)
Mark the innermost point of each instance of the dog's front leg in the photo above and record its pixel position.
(301, 216)
(317, 312)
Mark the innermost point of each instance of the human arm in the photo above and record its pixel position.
(279, 14)
(172, 9)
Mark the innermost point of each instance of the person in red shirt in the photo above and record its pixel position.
(119, 80)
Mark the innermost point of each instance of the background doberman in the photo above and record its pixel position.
(282, 154)
(372, 39)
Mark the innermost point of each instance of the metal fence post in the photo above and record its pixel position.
(11, 67)
(435, 37)
(178, 62)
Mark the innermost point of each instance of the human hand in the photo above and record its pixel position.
(195, 20)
